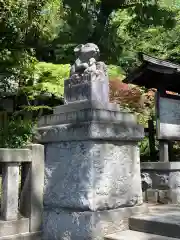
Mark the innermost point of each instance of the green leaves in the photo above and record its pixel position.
(48, 30)
(115, 72)
(51, 77)
(16, 132)
(153, 28)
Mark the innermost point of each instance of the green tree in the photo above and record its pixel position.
(157, 33)
(24, 26)
(120, 28)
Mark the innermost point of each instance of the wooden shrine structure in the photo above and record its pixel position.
(163, 76)
(156, 73)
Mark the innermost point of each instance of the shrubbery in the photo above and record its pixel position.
(50, 77)
(16, 132)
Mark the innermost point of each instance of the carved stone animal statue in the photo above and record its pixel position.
(87, 56)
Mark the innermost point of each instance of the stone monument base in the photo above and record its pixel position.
(67, 224)
(165, 178)
(92, 160)
(92, 172)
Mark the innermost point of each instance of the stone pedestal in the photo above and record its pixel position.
(86, 87)
(92, 169)
(165, 182)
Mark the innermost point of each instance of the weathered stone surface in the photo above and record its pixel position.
(31, 204)
(163, 151)
(66, 224)
(10, 191)
(91, 130)
(163, 221)
(24, 236)
(88, 78)
(13, 227)
(165, 178)
(92, 175)
(15, 155)
(92, 162)
(86, 87)
(144, 196)
(163, 196)
(162, 166)
(174, 187)
(85, 115)
(152, 195)
(86, 59)
(78, 106)
(135, 235)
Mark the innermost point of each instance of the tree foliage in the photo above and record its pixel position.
(48, 30)
(16, 132)
(157, 33)
(24, 26)
(50, 77)
(120, 28)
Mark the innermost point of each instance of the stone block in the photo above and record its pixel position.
(152, 196)
(32, 188)
(144, 196)
(85, 115)
(163, 196)
(163, 151)
(91, 175)
(174, 187)
(13, 227)
(160, 166)
(78, 106)
(67, 224)
(14, 155)
(86, 87)
(163, 220)
(24, 236)
(165, 178)
(136, 235)
(37, 187)
(94, 130)
(10, 191)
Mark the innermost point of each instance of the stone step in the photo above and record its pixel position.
(163, 221)
(24, 236)
(133, 235)
(14, 227)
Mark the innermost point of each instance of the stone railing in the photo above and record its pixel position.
(161, 182)
(22, 191)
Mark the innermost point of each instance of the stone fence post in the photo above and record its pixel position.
(33, 187)
(22, 208)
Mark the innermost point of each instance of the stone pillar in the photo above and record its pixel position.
(92, 165)
(163, 151)
(10, 190)
(32, 188)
